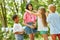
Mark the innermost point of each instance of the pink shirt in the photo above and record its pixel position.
(28, 17)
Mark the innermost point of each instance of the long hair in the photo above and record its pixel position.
(43, 16)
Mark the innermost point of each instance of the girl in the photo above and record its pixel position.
(42, 24)
(30, 22)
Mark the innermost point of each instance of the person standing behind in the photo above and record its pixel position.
(54, 21)
(17, 28)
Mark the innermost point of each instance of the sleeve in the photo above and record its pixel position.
(25, 16)
(48, 19)
(15, 29)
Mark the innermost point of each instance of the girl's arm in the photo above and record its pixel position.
(19, 32)
(32, 12)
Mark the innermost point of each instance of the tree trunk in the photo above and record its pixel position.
(23, 6)
(3, 15)
(16, 7)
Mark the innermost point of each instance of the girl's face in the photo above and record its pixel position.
(30, 7)
(41, 11)
(53, 9)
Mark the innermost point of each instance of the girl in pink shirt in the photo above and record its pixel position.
(30, 22)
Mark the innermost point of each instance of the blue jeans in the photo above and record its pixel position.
(29, 30)
(19, 37)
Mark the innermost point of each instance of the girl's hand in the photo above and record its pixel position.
(32, 27)
(22, 32)
(28, 11)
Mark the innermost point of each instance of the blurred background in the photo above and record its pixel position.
(11, 7)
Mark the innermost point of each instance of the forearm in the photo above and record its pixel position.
(32, 12)
(18, 33)
(36, 14)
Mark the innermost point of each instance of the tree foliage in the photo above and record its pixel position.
(11, 7)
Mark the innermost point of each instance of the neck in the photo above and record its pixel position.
(30, 10)
(52, 12)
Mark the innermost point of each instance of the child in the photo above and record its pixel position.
(29, 21)
(17, 28)
(42, 23)
(54, 21)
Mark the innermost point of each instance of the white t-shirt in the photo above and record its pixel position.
(41, 26)
(17, 27)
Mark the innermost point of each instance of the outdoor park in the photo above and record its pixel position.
(10, 7)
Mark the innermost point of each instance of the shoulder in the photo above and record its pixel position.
(56, 14)
(26, 12)
(15, 25)
(20, 24)
(49, 15)
(52, 14)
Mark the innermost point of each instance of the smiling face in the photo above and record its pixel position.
(30, 7)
